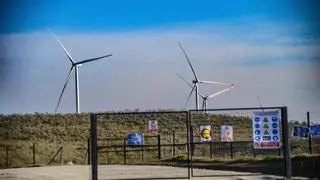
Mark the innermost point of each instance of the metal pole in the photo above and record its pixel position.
(77, 89)
(211, 150)
(159, 147)
(188, 121)
(310, 142)
(33, 153)
(231, 150)
(124, 151)
(286, 145)
(61, 155)
(7, 156)
(94, 157)
(173, 143)
(197, 100)
(89, 154)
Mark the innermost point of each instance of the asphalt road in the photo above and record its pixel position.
(107, 172)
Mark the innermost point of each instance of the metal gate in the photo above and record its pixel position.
(123, 147)
(237, 156)
(177, 151)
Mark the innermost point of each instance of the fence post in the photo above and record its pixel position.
(89, 155)
(286, 145)
(191, 141)
(253, 150)
(231, 150)
(173, 143)
(211, 151)
(142, 155)
(61, 155)
(159, 147)
(107, 151)
(7, 156)
(33, 153)
(310, 142)
(94, 155)
(124, 151)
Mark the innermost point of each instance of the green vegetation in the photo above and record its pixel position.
(50, 132)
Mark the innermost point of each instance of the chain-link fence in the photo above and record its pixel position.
(168, 139)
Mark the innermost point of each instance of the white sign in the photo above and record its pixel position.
(226, 134)
(266, 133)
(153, 126)
(205, 133)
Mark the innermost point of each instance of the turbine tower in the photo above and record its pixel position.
(74, 66)
(197, 81)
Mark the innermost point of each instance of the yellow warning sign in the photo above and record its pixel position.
(266, 132)
(265, 119)
(266, 126)
(205, 133)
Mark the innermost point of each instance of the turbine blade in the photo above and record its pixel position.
(185, 105)
(184, 80)
(93, 59)
(190, 85)
(64, 87)
(220, 92)
(185, 54)
(215, 82)
(65, 50)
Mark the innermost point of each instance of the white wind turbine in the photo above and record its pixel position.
(197, 81)
(74, 66)
(205, 98)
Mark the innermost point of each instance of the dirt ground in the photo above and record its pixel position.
(83, 172)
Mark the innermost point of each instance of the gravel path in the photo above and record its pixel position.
(82, 172)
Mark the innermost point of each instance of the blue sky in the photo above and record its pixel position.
(26, 15)
(268, 47)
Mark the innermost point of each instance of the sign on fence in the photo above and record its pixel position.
(153, 126)
(205, 133)
(266, 134)
(135, 139)
(315, 130)
(226, 134)
(299, 131)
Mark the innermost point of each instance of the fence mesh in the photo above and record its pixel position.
(158, 148)
(217, 154)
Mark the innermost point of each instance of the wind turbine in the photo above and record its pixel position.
(206, 97)
(197, 81)
(74, 66)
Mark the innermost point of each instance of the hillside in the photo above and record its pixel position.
(49, 132)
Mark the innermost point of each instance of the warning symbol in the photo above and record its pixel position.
(205, 133)
(266, 126)
(266, 132)
(265, 119)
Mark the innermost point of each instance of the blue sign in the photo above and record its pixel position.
(275, 131)
(302, 132)
(315, 130)
(257, 126)
(135, 138)
(256, 119)
(257, 132)
(274, 119)
(274, 125)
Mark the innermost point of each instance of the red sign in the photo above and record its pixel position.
(267, 145)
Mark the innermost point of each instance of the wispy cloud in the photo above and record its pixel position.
(142, 72)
